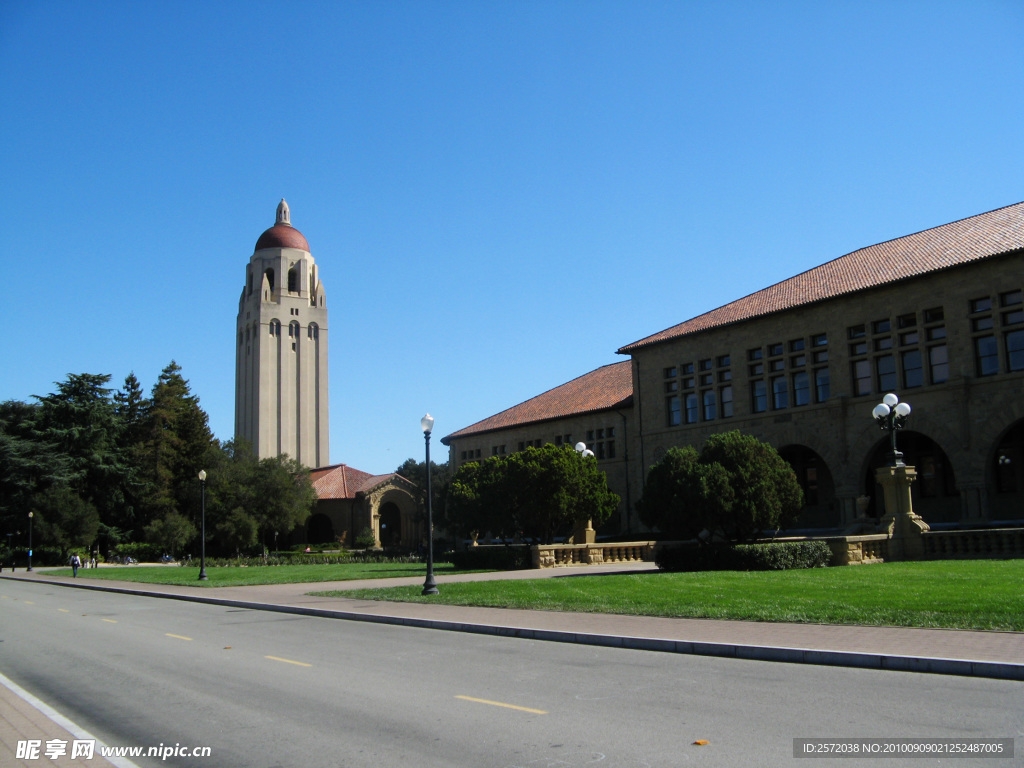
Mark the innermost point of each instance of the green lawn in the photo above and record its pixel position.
(250, 576)
(971, 594)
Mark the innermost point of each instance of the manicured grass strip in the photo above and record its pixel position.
(971, 594)
(223, 576)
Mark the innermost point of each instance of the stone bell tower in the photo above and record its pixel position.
(281, 349)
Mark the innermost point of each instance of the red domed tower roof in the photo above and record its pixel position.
(282, 234)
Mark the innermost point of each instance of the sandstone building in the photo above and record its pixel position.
(936, 317)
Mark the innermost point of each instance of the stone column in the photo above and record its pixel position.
(900, 523)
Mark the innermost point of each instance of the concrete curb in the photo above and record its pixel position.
(889, 662)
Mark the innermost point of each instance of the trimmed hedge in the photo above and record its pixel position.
(775, 556)
(499, 558)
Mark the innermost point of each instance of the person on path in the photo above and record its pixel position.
(76, 562)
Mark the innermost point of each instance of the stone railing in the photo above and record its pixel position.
(563, 555)
(859, 550)
(993, 542)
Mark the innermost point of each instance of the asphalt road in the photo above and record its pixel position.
(267, 689)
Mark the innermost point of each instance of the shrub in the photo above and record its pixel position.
(775, 556)
(498, 558)
(365, 540)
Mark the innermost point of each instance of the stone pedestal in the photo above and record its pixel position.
(584, 533)
(903, 527)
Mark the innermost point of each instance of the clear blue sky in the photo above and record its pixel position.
(498, 194)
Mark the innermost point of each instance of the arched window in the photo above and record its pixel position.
(313, 331)
(293, 280)
(293, 329)
(270, 278)
(275, 327)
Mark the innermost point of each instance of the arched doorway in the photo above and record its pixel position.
(319, 529)
(933, 493)
(820, 508)
(1007, 468)
(390, 525)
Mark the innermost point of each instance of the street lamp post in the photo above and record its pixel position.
(30, 514)
(202, 528)
(10, 550)
(891, 415)
(584, 531)
(429, 586)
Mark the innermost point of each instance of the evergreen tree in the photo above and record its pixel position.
(79, 421)
(176, 444)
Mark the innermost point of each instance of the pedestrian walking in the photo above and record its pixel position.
(76, 562)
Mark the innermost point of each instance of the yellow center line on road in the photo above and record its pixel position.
(28, 602)
(179, 637)
(109, 621)
(64, 610)
(502, 704)
(288, 661)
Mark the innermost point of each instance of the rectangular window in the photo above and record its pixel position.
(1014, 317)
(913, 370)
(883, 344)
(881, 326)
(754, 354)
(758, 396)
(796, 345)
(982, 323)
(936, 333)
(906, 321)
(723, 361)
(821, 385)
(780, 393)
(725, 395)
(981, 305)
(757, 369)
(934, 315)
(671, 386)
(938, 364)
(886, 367)
(688, 382)
(1015, 350)
(688, 368)
(706, 379)
(672, 409)
(910, 337)
(819, 340)
(774, 350)
(801, 388)
(856, 332)
(724, 376)
(858, 348)
(1011, 298)
(861, 377)
(705, 365)
(691, 409)
(797, 361)
(670, 373)
(986, 355)
(776, 365)
(710, 409)
(821, 357)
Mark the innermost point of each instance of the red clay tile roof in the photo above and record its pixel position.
(341, 481)
(608, 387)
(979, 237)
(282, 236)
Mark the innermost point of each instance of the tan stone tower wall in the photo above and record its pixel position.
(281, 400)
